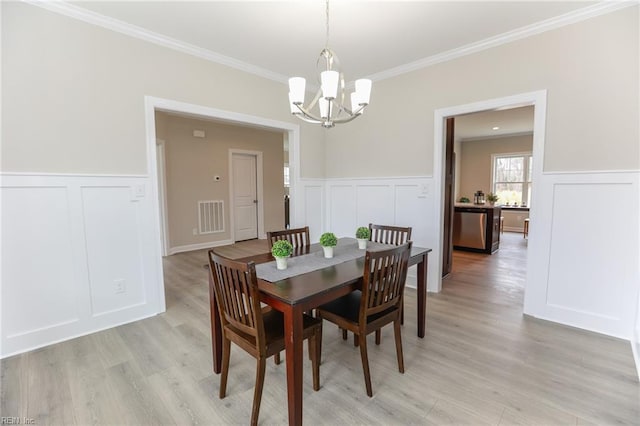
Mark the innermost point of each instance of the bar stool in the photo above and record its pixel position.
(526, 228)
(502, 224)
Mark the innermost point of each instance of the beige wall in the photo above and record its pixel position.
(475, 161)
(590, 70)
(192, 163)
(514, 220)
(73, 95)
(84, 86)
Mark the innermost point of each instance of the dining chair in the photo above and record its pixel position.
(377, 304)
(259, 331)
(298, 237)
(386, 234)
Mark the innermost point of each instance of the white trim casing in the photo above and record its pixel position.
(539, 100)
(162, 194)
(583, 248)
(292, 133)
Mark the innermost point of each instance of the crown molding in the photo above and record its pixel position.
(76, 12)
(579, 15)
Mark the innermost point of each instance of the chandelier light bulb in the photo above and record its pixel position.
(329, 81)
(296, 90)
(363, 88)
(324, 107)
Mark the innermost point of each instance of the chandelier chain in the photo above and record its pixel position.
(327, 20)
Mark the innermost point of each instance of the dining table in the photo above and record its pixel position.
(305, 286)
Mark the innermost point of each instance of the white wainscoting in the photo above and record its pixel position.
(583, 242)
(68, 240)
(79, 254)
(404, 201)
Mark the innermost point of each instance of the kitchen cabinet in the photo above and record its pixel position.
(476, 228)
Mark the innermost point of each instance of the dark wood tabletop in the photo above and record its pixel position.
(295, 295)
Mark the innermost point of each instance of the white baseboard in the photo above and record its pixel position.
(513, 229)
(199, 246)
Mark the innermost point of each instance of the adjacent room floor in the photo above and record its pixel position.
(481, 362)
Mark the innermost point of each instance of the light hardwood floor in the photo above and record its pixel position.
(481, 362)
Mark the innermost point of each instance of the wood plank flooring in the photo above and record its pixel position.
(481, 362)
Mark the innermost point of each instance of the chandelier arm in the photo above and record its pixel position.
(306, 115)
(345, 120)
(356, 111)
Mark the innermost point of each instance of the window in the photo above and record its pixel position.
(512, 178)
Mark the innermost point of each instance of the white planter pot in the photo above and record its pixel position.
(281, 262)
(362, 243)
(328, 252)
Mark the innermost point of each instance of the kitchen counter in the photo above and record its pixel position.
(476, 227)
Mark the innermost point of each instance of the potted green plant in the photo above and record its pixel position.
(362, 235)
(492, 198)
(281, 250)
(328, 241)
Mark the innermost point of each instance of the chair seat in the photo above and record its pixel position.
(348, 307)
(274, 329)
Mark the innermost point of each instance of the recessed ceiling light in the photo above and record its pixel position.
(495, 128)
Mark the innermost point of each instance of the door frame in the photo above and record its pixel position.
(151, 105)
(259, 192)
(539, 100)
(161, 158)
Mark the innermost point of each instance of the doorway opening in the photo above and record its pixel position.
(290, 134)
(534, 100)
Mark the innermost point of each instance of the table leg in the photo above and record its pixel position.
(293, 346)
(422, 295)
(216, 329)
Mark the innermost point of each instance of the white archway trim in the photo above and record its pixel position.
(537, 99)
(153, 104)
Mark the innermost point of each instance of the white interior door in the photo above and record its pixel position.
(245, 197)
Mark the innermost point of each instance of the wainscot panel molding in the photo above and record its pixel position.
(309, 206)
(587, 229)
(402, 201)
(80, 254)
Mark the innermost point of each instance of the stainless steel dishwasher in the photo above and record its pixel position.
(469, 228)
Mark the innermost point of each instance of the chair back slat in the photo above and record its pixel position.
(386, 234)
(385, 274)
(298, 237)
(237, 295)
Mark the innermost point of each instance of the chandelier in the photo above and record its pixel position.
(330, 97)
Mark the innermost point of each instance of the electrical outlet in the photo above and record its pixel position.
(195, 231)
(119, 286)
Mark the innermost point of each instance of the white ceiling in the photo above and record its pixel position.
(280, 39)
(480, 125)
(370, 37)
